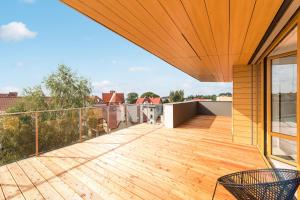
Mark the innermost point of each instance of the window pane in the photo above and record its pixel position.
(283, 148)
(284, 95)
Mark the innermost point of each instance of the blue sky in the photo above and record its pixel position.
(38, 35)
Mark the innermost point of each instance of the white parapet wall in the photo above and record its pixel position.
(168, 115)
(177, 113)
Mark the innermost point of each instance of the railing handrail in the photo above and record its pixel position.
(68, 109)
(43, 111)
(83, 123)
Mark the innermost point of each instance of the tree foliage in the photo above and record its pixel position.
(176, 96)
(67, 89)
(228, 94)
(132, 97)
(212, 97)
(149, 94)
(165, 101)
(56, 129)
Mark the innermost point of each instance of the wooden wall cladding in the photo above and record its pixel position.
(248, 104)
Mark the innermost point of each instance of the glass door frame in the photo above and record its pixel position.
(270, 133)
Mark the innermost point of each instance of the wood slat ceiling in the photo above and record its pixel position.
(203, 38)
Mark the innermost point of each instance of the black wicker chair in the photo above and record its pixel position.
(262, 184)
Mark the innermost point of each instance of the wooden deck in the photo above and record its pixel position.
(140, 162)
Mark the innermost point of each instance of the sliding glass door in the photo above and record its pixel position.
(283, 107)
(282, 98)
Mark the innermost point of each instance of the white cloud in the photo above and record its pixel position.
(137, 69)
(15, 31)
(27, 1)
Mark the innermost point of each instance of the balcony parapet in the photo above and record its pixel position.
(177, 113)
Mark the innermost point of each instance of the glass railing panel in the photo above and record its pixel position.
(58, 129)
(116, 117)
(27, 134)
(93, 122)
(133, 114)
(17, 137)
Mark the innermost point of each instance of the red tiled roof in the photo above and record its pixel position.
(113, 97)
(150, 100)
(155, 100)
(140, 101)
(10, 94)
(6, 102)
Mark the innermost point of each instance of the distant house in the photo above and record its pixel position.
(8, 100)
(113, 98)
(10, 94)
(148, 100)
(151, 113)
(224, 98)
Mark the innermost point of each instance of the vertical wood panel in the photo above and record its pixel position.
(298, 94)
(260, 107)
(218, 15)
(247, 105)
(263, 14)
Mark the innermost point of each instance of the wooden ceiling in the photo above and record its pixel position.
(203, 38)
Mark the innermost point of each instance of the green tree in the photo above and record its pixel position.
(225, 94)
(165, 101)
(176, 96)
(214, 97)
(149, 94)
(67, 89)
(132, 97)
(56, 129)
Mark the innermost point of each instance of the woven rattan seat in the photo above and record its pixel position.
(262, 184)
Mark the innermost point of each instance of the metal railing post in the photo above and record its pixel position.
(126, 114)
(80, 125)
(36, 134)
(108, 118)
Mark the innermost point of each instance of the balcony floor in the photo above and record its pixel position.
(140, 162)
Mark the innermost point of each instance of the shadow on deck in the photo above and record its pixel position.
(140, 162)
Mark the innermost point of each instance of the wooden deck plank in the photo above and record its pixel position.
(28, 189)
(114, 176)
(38, 181)
(1, 194)
(63, 189)
(141, 162)
(74, 182)
(9, 186)
(118, 184)
(74, 167)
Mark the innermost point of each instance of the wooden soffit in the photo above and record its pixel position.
(203, 38)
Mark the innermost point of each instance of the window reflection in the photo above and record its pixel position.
(284, 95)
(283, 148)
